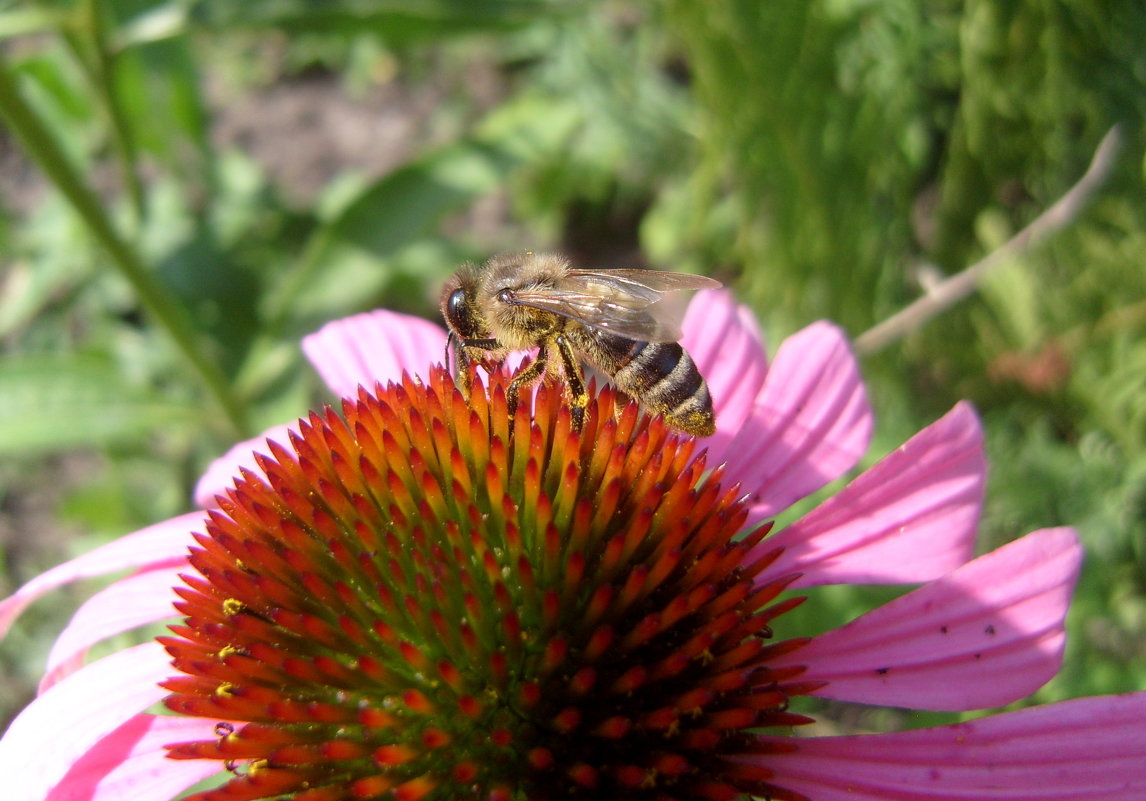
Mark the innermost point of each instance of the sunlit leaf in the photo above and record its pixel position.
(397, 20)
(58, 403)
(22, 21)
(344, 261)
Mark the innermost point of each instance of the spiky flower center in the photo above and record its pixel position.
(426, 599)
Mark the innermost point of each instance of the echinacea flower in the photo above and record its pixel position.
(416, 598)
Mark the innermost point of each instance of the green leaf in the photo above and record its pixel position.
(397, 20)
(158, 85)
(346, 258)
(56, 403)
(24, 21)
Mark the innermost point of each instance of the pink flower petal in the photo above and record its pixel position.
(985, 635)
(221, 473)
(1088, 749)
(910, 518)
(359, 350)
(375, 346)
(133, 601)
(131, 764)
(154, 545)
(810, 424)
(723, 339)
(93, 702)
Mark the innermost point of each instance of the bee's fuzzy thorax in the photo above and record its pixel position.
(519, 327)
(523, 269)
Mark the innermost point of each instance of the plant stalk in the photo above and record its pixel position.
(41, 146)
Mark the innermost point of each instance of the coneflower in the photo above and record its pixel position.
(417, 598)
(424, 599)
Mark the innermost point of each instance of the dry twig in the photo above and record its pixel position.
(949, 292)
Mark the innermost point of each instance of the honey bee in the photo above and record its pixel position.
(611, 319)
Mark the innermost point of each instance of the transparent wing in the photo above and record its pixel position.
(635, 304)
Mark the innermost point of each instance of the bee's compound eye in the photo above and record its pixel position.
(455, 305)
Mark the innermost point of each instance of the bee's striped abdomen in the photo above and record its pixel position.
(664, 377)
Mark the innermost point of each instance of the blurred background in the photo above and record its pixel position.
(189, 186)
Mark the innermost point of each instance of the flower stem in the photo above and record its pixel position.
(100, 67)
(41, 146)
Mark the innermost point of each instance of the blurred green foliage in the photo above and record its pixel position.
(824, 157)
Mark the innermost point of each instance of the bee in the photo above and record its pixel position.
(612, 319)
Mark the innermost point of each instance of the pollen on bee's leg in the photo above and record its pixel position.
(577, 416)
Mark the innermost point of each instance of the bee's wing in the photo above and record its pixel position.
(628, 303)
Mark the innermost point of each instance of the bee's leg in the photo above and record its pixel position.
(482, 344)
(526, 378)
(579, 398)
(463, 375)
(463, 361)
(460, 363)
